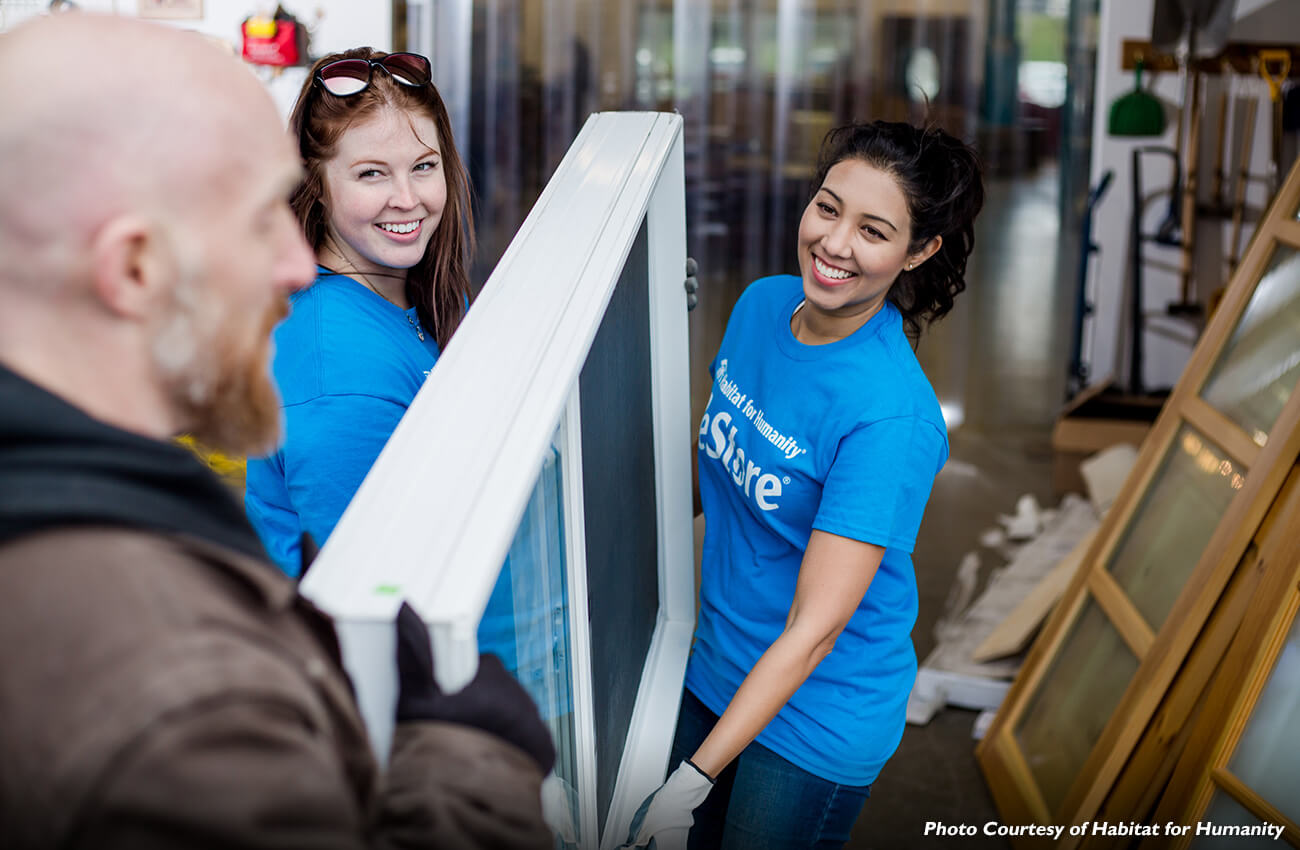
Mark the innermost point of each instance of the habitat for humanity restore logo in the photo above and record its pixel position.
(718, 437)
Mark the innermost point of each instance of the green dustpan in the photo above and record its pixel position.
(1137, 113)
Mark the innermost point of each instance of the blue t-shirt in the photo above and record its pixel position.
(847, 438)
(348, 364)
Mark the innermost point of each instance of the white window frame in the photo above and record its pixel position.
(434, 519)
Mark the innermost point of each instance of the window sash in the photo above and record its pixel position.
(434, 519)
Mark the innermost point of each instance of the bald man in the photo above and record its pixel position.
(160, 684)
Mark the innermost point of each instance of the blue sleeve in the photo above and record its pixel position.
(330, 444)
(265, 504)
(880, 480)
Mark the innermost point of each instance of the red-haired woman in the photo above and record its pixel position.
(385, 204)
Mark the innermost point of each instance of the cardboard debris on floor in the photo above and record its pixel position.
(1012, 635)
(1105, 472)
(1027, 521)
(950, 675)
(979, 647)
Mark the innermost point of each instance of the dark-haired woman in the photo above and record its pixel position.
(817, 452)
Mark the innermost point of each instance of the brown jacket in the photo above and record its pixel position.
(161, 691)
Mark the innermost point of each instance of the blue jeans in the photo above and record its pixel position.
(761, 801)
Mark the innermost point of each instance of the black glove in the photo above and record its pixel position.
(692, 284)
(307, 552)
(494, 702)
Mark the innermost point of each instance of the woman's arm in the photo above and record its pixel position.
(833, 578)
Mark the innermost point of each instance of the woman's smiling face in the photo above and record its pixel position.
(385, 190)
(853, 241)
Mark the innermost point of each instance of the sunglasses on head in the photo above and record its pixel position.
(352, 76)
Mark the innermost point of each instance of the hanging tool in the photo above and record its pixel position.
(1137, 319)
(1187, 305)
(1275, 67)
(1135, 293)
(1243, 182)
(1137, 113)
(1291, 109)
(1190, 29)
(1209, 22)
(1218, 205)
(1169, 231)
(1077, 378)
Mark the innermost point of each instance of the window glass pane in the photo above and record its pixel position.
(618, 481)
(1268, 755)
(1258, 370)
(1226, 824)
(1073, 701)
(527, 619)
(1170, 529)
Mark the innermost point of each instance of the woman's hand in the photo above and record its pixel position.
(665, 818)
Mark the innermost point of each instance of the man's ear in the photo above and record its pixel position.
(931, 248)
(132, 265)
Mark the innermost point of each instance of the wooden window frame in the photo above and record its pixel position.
(1160, 651)
(1235, 691)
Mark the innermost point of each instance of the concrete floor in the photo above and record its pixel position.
(998, 361)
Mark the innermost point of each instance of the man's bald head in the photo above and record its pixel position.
(106, 114)
(145, 226)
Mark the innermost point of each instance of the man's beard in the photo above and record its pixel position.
(223, 395)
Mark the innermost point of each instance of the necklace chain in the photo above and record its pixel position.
(375, 290)
(419, 331)
(415, 325)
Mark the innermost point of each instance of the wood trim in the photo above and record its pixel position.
(1288, 233)
(1137, 790)
(1011, 782)
(1225, 433)
(1247, 663)
(1257, 671)
(1233, 57)
(1255, 804)
(1037, 805)
(1138, 795)
(1276, 225)
(1121, 611)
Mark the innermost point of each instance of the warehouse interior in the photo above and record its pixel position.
(1135, 281)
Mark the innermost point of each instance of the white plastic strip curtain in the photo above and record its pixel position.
(758, 82)
(480, 447)
(14, 12)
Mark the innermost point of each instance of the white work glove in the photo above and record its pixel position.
(664, 819)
